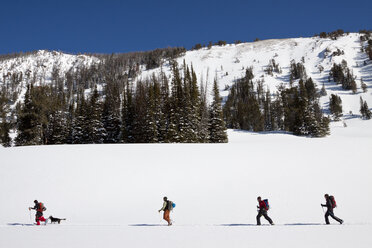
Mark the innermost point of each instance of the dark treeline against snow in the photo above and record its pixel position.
(154, 97)
(154, 110)
(294, 109)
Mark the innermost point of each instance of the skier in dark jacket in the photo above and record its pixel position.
(329, 212)
(39, 207)
(262, 212)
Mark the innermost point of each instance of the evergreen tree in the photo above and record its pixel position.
(242, 108)
(140, 113)
(28, 122)
(217, 127)
(176, 120)
(111, 114)
(363, 86)
(79, 125)
(203, 129)
(163, 108)
(96, 130)
(364, 110)
(5, 139)
(57, 128)
(323, 91)
(335, 106)
(128, 116)
(152, 114)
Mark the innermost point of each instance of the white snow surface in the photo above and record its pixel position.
(110, 194)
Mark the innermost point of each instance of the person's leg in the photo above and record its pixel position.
(37, 218)
(335, 217)
(166, 216)
(268, 218)
(326, 217)
(258, 218)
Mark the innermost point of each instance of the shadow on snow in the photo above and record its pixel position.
(20, 224)
(147, 225)
(290, 224)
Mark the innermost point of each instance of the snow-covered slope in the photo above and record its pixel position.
(40, 66)
(228, 63)
(110, 194)
(42, 63)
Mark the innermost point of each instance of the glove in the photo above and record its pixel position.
(159, 211)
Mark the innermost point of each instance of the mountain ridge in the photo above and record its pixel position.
(226, 63)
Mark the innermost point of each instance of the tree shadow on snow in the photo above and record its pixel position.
(20, 224)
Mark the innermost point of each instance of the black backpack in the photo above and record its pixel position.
(169, 205)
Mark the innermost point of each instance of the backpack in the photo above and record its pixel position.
(266, 201)
(171, 205)
(41, 207)
(333, 201)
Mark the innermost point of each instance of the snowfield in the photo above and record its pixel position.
(110, 194)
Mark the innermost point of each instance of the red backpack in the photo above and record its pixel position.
(41, 207)
(333, 201)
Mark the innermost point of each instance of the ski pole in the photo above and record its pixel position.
(30, 215)
(322, 209)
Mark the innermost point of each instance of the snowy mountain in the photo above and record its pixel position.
(228, 63)
(39, 67)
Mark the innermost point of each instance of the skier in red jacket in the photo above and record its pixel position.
(39, 207)
(262, 211)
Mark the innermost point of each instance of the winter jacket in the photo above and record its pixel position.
(262, 205)
(328, 204)
(37, 207)
(165, 206)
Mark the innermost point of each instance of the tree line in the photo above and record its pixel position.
(151, 111)
(294, 109)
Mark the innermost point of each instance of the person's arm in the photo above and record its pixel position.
(34, 208)
(329, 203)
(164, 205)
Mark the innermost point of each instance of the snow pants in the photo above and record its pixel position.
(263, 213)
(39, 217)
(330, 213)
(166, 216)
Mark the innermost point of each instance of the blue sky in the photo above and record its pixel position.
(112, 26)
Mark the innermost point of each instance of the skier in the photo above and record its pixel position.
(330, 204)
(262, 211)
(166, 208)
(39, 207)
